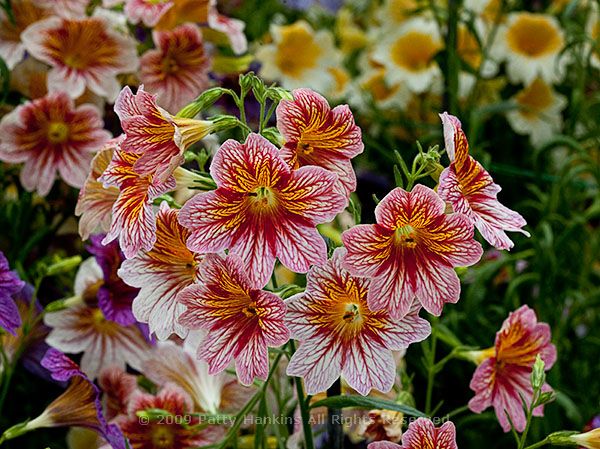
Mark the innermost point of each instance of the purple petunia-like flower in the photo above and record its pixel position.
(10, 284)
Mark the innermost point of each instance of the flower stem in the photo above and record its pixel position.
(303, 404)
(334, 423)
(452, 63)
(539, 444)
(431, 367)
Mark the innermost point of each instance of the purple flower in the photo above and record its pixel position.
(331, 5)
(114, 296)
(10, 284)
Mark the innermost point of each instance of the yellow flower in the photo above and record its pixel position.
(351, 36)
(593, 31)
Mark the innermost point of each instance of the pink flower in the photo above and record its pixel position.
(148, 12)
(241, 320)
(161, 274)
(177, 70)
(117, 387)
(315, 134)
(422, 434)
(470, 189)
(262, 209)
(411, 252)
(51, 135)
(151, 133)
(503, 375)
(232, 28)
(84, 52)
(133, 220)
(67, 8)
(339, 334)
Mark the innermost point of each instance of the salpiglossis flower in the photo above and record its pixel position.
(242, 321)
(339, 334)
(10, 284)
(262, 209)
(411, 252)
(421, 434)
(151, 133)
(84, 52)
(177, 69)
(317, 135)
(161, 274)
(502, 379)
(51, 135)
(471, 191)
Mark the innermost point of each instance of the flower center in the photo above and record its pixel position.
(170, 65)
(58, 132)
(251, 310)
(304, 148)
(162, 437)
(535, 98)
(263, 198)
(297, 51)
(351, 313)
(534, 35)
(407, 236)
(414, 51)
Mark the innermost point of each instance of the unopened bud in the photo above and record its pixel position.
(204, 101)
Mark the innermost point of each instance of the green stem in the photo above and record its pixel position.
(431, 367)
(539, 444)
(457, 411)
(452, 62)
(303, 404)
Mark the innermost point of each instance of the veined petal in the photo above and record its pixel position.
(369, 246)
(368, 366)
(318, 362)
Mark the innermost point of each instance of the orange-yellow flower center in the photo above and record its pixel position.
(58, 132)
(406, 236)
(351, 313)
(535, 98)
(377, 86)
(263, 199)
(251, 310)
(534, 35)
(162, 437)
(468, 47)
(414, 51)
(297, 51)
(304, 148)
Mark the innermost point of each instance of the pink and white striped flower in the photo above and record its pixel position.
(161, 274)
(262, 209)
(84, 52)
(317, 135)
(339, 334)
(242, 321)
(51, 135)
(422, 434)
(411, 252)
(177, 69)
(148, 12)
(471, 191)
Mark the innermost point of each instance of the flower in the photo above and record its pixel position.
(338, 333)
(262, 209)
(114, 295)
(83, 327)
(531, 44)
(84, 52)
(133, 220)
(381, 425)
(50, 134)
(24, 12)
(422, 433)
(395, 12)
(161, 274)
(539, 112)
(589, 440)
(470, 189)
(148, 12)
(241, 320)
(182, 11)
(151, 133)
(502, 378)
(117, 387)
(10, 284)
(592, 29)
(330, 5)
(67, 8)
(79, 405)
(411, 252)
(177, 69)
(95, 202)
(232, 28)
(180, 432)
(408, 54)
(317, 135)
(299, 57)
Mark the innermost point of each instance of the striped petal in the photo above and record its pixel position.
(422, 433)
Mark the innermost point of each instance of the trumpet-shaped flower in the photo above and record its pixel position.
(79, 405)
(151, 133)
(10, 284)
(338, 333)
(133, 220)
(471, 191)
(242, 321)
(262, 209)
(161, 274)
(502, 378)
(51, 135)
(422, 434)
(177, 69)
(84, 52)
(588, 440)
(411, 252)
(531, 44)
(317, 135)
(95, 202)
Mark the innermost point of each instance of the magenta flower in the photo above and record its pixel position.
(338, 333)
(161, 274)
(422, 434)
(503, 375)
(177, 69)
(262, 209)
(10, 284)
(317, 135)
(470, 189)
(241, 320)
(411, 252)
(51, 135)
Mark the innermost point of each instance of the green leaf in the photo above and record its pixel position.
(367, 402)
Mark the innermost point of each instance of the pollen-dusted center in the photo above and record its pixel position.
(407, 236)
(263, 198)
(351, 313)
(58, 132)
